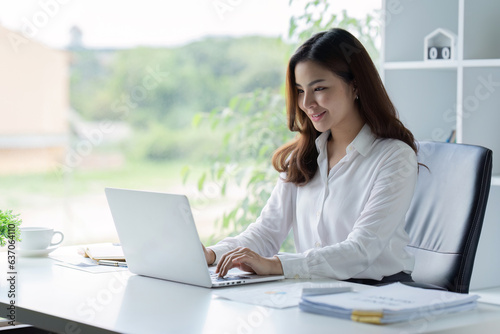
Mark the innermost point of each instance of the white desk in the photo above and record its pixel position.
(71, 301)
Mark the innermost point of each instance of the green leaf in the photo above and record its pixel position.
(9, 226)
(220, 172)
(257, 177)
(226, 139)
(233, 103)
(185, 173)
(223, 189)
(263, 150)
(201, 181)
(292, 28)
(197, 119)
(225, 221)
(215, 123)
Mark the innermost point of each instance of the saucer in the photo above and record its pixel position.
(36, 252)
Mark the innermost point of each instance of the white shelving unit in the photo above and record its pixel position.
(436, 97)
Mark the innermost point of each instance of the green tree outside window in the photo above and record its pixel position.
(254, 126)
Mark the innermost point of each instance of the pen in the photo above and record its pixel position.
(112, 263)
(324, 291)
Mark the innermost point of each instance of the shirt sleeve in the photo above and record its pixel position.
(382, 216)
(268, 232)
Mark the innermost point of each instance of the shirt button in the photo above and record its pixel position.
(296, 276)
(318, 214)
(317, 244)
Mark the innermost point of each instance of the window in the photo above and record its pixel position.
(128, 94)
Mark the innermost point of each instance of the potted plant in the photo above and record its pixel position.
(9, 227)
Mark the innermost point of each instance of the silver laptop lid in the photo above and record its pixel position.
(158, 235)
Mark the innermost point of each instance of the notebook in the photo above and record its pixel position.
(106, 251)
(159, 239)
(391, 303)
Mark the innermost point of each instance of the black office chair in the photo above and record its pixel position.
(446, 214)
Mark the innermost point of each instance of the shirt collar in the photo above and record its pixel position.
(321, 141)
(362, 143)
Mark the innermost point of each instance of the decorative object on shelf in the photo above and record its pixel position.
(440, 44)
(453, 137)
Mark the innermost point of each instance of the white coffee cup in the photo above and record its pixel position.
(38, 238)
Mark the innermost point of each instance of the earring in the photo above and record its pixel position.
(357, 97)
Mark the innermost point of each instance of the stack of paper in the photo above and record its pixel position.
(104, 252)
(387, 304)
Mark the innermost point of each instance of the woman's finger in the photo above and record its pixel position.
(225, 264)
(235, 258)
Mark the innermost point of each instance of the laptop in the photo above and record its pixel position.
(159, 239)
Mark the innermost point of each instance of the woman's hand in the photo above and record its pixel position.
(247, 260)
(209, 255)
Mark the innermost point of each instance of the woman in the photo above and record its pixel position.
(346, 181)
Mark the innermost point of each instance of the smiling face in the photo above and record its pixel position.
(325, 98)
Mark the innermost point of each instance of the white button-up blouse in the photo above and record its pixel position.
(347, 222)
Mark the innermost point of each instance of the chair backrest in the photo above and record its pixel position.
(447, 211)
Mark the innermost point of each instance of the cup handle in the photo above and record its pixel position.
(57, 243)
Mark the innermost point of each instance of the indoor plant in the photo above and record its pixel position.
(9, 227)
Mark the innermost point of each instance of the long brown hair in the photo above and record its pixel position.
(343, 54)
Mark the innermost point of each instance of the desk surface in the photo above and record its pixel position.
(72, 301)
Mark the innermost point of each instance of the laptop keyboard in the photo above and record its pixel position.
(215, 277)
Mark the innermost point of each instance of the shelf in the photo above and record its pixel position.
(481, 62)
(495, 180)
(417, 65)
(440, 64)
